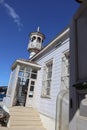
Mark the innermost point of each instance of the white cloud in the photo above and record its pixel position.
(1, 1)
(12, 14)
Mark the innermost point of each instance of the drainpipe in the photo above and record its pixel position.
(59, 102)
(82, 115)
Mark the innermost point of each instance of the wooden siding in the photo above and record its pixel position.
(47, 106)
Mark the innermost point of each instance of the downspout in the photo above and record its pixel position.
(59, 103)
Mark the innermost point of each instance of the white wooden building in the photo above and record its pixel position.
(36, 82)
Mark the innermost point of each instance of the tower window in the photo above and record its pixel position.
(38, 39)
(33, 38)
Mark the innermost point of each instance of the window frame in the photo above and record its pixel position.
(47, 79)
(65, 66)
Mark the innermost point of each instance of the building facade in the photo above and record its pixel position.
(38, 81)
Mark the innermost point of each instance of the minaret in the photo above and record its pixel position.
(35, 42)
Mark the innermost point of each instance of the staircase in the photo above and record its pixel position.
(22, 118)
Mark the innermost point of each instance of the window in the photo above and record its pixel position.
(33, 38)
(38, 39)
(34, 74)
(31, 92)
(47, 78)
(65, 71)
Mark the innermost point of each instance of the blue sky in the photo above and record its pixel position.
(20, 17)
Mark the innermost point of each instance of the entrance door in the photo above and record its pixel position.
(24, 91)
(21, 92)
(30, 95)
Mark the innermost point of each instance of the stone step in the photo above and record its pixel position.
(22, 118)
(25, 123)
(25, 118)
(22, 109)
(22, 128)
(24, 114)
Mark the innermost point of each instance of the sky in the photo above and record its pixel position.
(18, 18)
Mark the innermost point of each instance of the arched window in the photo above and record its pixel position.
(33, 38)
(38, 39)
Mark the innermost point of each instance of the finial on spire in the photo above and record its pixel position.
(38, 29)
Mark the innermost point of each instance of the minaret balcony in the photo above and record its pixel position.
(34, 45)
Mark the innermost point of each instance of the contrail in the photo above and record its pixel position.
(12, 13)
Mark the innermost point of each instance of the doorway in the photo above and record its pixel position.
(21, 92)
(24, 91)
(21, 89)
(30, 96)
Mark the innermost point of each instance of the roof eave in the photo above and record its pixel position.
(57, 38)
(25, 63)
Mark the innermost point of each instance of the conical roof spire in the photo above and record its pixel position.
(38, 29)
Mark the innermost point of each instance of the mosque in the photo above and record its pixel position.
(38, 90)
(36, 82)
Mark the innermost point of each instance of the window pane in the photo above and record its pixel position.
(20, 73)
(34, 71)
(49, 75)
(26, 74)
(31, 88)
(23, 74)
(33, 76)
(32, 82)
(46, 84)
(48, 91)
(65, 71)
